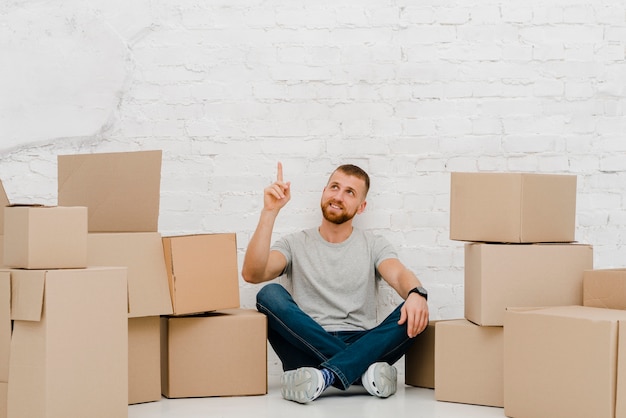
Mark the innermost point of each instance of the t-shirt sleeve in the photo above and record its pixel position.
(282, 246)
(383, 250)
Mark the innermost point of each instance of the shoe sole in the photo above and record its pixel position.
(382, 380)
(301, 385)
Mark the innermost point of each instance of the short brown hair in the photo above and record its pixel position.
(355, 171)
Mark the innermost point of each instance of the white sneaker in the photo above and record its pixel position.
(380, 379)
(302, 385)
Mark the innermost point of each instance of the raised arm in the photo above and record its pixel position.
(260, 264)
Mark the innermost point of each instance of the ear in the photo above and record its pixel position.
(361, 208)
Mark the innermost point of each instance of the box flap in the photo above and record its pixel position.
(121, 190)
(27, 291)
(4, 201)
(142, 254)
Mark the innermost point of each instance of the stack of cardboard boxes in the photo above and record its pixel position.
(174, 327)
(520, 252)
(67, 354)
(187, 335)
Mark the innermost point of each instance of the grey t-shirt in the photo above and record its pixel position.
(336, 284)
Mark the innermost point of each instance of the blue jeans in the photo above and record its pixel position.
(299, 341)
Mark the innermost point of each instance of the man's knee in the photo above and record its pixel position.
(269, 294)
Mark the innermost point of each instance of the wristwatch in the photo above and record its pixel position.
(420, 291)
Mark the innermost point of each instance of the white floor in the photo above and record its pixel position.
(407, 402)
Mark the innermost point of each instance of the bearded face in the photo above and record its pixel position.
(335, 212)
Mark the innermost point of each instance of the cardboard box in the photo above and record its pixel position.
(469, 363)
(121, 190)
(5, 338)
(564, 361)
(4, 201)
(419, 360)
(5, 324)
(144, 359)
(216, 354)
(605, 288)
(69, 350)
(202, 272)
(42, 237)
(498, 276)
(512, 207)
(142, 254)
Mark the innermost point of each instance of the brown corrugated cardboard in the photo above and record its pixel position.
(69, 349)
(217, 354)
(202, 272)
(562, 361)
(605, 288)
(4, 389)
(144, 359)
(40, 237)
(498, 276)
(469, 363)
(142, 254)
(121, 190)
(5, 338)
(419, 360)
(512, 207)
(4, 201)
(5, 324)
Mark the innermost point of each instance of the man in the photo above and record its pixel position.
(326, 332)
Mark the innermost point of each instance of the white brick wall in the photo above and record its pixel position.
(410, 92)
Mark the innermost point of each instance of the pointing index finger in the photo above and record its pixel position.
(279, 176)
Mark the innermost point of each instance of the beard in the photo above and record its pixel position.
(333, 217)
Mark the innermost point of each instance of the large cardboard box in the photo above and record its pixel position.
(41, 237)
(498, 276)
(419, 360)
(469, 363)
(605, 288)
(4, 201)
(202, 272)
(121, 190)
(565, 361)
(512, 207)
(144, 359)
(69, 349)
(217, 354)
(142, 254)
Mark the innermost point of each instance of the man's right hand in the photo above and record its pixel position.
(276, 195)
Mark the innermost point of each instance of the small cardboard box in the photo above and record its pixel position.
(142, 254)
(202, 272)
(469, 363)
(121, 190)
(605, 288)
(512, 207)
(498, 276)
(144, 359)
(69, 349)
(217, 354)
(564, 361)
(419, 360)
(4, 201)
(42, 237)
